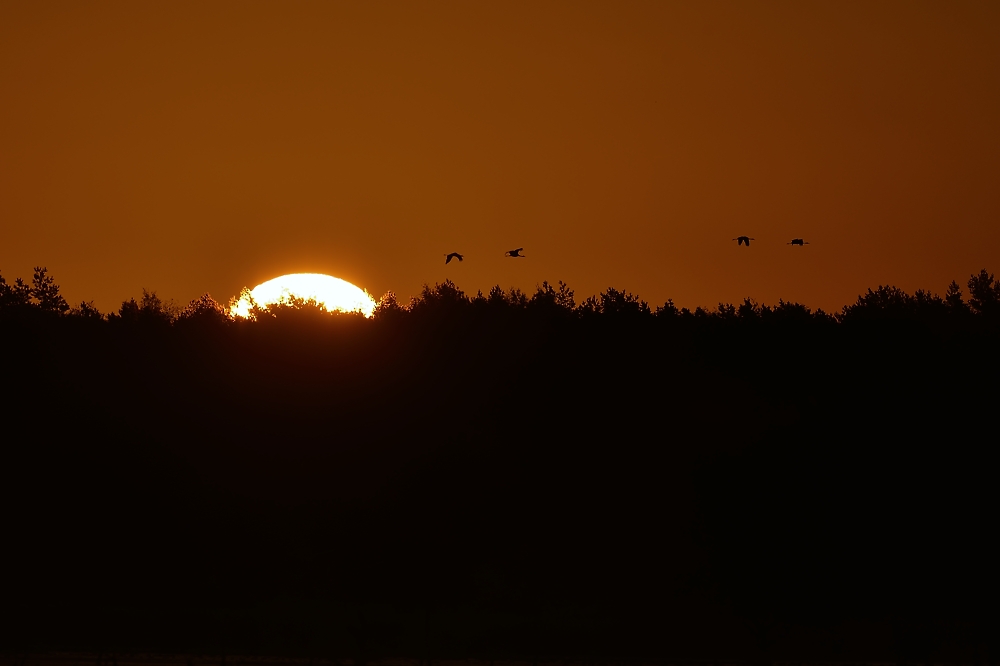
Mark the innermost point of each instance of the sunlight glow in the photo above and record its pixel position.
(330, 292)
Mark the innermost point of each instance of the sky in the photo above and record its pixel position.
(192, 147)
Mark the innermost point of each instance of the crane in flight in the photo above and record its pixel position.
(515, 253)
(798, 241)
(743, 240)
(453, 255)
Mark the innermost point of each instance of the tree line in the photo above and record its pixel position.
(883, 303)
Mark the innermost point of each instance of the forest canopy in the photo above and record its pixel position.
(506, 474)
(447, 300)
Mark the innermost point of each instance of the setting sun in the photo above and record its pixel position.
(332, 293)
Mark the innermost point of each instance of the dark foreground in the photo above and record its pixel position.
(147, 659)
(509, 478)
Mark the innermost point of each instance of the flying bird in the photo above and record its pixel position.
(743, 240)
(798, 241)
(515, 253)
(453, 255)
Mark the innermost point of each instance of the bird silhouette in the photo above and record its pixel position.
(515, 253)
(453, 255)
(743, 240)
(798, 241)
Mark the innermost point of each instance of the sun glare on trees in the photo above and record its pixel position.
(331, 293)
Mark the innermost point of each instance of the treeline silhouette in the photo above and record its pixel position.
(503, 475)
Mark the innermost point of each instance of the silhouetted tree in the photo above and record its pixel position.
(128, 312)
(499, 302)
(785, 311)
(668, 310)
(86, 310)
(547, 298)
(726, 312)
(953, 298)
(46, 292)
(615, 303)
(388, 309)
(516, 299)
(619, 303)
(444, 299)
(885, 302)
(984, 294)
(295, 310)
(497, 299)
(14, 295)
(42, 295)
(154, 307)
(204, 311)
(750, 310)
(150, 310)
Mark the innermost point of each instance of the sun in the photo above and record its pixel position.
(330, 292)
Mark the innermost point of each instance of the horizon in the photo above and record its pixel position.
(405, 300)
(337, 296)
(187, 148)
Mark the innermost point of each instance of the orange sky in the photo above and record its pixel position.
(203, 146)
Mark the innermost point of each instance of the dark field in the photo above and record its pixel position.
(138, 659)
(509, 477)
